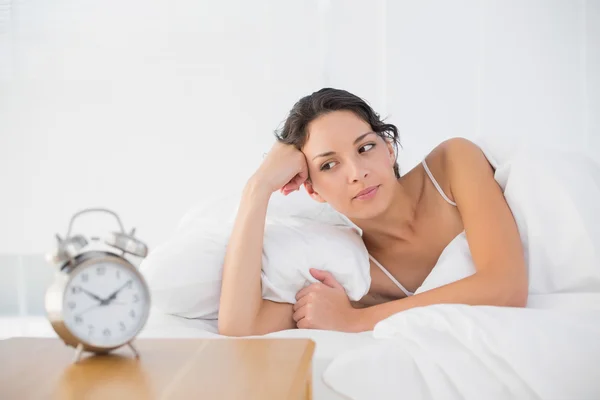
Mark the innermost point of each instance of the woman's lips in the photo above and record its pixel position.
(367, 193)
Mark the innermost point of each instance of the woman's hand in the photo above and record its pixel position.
(284, 168)
(325, 305)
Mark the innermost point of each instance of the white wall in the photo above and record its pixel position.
(143, 106)
(146, 107)
(591, 81)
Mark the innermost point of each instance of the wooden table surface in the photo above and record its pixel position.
(43, 368)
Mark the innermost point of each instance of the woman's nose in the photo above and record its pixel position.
(357, 171)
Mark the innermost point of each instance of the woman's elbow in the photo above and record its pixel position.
(233, 330)
(235, 327)
(506, 291)
(515, 293)
(519, 297)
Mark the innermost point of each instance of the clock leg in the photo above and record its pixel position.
(78, 352)
(137, 355)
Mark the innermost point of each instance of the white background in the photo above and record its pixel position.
(149, 107)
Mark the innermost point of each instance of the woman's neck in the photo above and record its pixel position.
(396, 223)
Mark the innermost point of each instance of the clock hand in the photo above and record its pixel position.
(114, 294)
(92, 295)
(96, 306)
(89, 308)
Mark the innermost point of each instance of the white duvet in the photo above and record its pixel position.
(549, 350)
(463, 352)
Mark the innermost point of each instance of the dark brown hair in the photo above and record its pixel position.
(327, 100)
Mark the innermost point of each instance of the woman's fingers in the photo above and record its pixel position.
(299, 314)
(300, 179)
(301, 303)
(289, 188)
(294, 184)
(313, 287)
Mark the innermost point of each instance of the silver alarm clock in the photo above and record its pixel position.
(98, 301)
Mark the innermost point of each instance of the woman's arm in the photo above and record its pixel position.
(500, 278)
(242, 310)
(477, 289)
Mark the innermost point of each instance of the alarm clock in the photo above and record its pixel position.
(98, 301)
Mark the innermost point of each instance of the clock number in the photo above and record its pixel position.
(136, 298)
(132, 313)
(100, 270)
(118, 274)
(122, 326)
(75, 290)
(78, 319)
(71, 305)
(106, 332)
(84, 277)
(129, 284)
(90, 329)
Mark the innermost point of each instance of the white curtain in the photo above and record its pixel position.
(5, 14)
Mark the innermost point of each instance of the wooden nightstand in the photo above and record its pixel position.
(35, 368)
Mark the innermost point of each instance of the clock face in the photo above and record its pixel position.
(105, 304)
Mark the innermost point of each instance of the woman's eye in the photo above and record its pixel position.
(327, 166)
(368, 147)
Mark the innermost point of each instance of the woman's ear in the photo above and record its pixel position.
(311, 192)
(391, 151)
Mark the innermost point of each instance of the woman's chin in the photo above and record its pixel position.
(366, 211)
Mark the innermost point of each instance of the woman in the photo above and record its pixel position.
(335, 145)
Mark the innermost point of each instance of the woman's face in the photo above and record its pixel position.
(345, 157)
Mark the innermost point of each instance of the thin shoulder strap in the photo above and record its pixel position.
(436, 184)
(385, 271)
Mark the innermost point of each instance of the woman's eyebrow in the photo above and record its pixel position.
(330, 153)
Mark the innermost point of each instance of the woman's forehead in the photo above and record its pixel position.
(337, 128)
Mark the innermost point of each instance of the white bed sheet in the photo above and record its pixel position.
(548, 351)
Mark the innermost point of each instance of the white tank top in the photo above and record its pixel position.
(441, 192)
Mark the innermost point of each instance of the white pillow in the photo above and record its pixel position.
(184, 274)
(554, 196)
(292, 246)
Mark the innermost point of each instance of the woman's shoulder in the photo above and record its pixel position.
(450, 153)
(453, 150)
(458, 162)
(446, 158)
